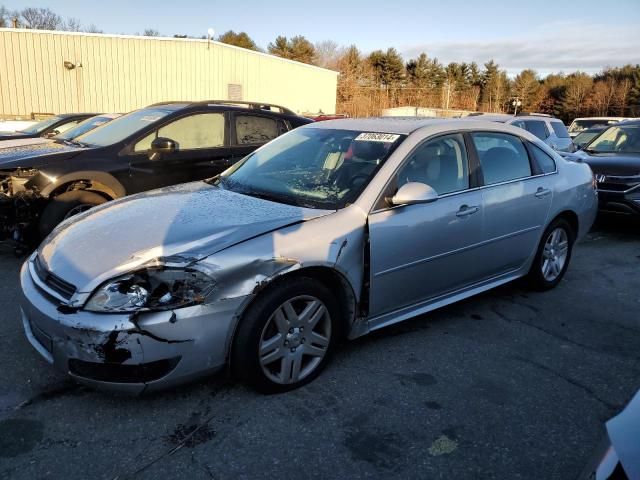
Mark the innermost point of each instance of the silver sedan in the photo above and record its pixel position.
(330, 231)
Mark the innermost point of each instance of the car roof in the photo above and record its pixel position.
(408, 125)
(228, 104)
(600, 118)
(635, 121)
(400, 125)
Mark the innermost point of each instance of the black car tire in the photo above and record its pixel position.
(59, 208)
(536, 276)
(245, 353)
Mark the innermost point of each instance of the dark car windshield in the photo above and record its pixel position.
(622, 139)
(40, 127)
(312, 167)
(583, 138)
(124, 126)
(83, 127)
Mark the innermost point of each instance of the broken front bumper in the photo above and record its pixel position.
(125, 352)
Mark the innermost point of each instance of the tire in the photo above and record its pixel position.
(271, 351)
(548, 268)
(64, 205)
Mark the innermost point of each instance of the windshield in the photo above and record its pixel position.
(40, 126)
(82, 128)
(585, 137)
(580, 125)
(623, 139)
(123, 127)
(312, 167)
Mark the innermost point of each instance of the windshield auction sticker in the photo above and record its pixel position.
(377, 137)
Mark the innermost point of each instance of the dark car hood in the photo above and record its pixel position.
(35, 156)
(14, 135)
(189, 221)
(610, 163)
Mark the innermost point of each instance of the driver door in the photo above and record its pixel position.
(202, 151)
(419, 252)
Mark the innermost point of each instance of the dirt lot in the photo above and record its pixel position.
(508, 384)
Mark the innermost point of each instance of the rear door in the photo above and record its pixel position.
(419, 252)
(516, 199)
(202, 142)
(251, 130)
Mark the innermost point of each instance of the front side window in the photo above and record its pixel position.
(203, 130)
(252, 129)
(623, 139)
(440, 163)
(312, 167)
(538, 128)
(544, 161)
(503, 157)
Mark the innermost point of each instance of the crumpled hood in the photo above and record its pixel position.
(36, 155)
(186, 222)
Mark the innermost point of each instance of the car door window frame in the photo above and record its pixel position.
(473, 172)
(535, 166)
(131, 144)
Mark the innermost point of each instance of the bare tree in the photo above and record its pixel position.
(328, 54)
(92, 29)
(40, 19)
(71, 25)
(151, 32)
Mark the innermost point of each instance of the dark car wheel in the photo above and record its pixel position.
(553, 255)
(67, 205)
(286, 336)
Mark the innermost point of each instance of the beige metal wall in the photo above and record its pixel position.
(122, 73)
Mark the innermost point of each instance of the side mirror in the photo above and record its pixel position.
(51, 134)
(413, 193)
(161, 146)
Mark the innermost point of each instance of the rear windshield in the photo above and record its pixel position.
(580, 125)
(560, 129)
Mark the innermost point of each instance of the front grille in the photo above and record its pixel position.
(55, 283)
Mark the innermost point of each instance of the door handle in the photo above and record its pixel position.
(542, 192)
(466, 210)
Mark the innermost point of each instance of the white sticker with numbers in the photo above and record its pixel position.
(377, 137)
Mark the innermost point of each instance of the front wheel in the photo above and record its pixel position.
(553, 255)
(285, 338)
(67, 205)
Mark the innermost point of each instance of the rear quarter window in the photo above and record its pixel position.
(544, 161)
(560, 130)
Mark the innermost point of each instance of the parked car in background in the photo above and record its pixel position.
(80, 129)
(547, 128)
(336, 229)
(163, 144)
(13, 125)
(586, 136)
(614, 157)
(49, 127)
(618, 455)
(580, 124)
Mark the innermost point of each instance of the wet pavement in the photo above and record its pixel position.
(508, 384)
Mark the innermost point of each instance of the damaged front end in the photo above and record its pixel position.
(20, 206)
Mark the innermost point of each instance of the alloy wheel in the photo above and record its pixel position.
(554, 254)
(295, 339)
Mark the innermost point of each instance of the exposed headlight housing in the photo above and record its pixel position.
(151, 289)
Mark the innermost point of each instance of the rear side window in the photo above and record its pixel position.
(538, 128)
(544, 161)
(560, 130)
(251, 129)
(503, 157)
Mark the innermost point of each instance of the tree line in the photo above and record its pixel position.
(369, 83)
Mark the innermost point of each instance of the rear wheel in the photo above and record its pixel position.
(553, 255)
(67, 205)
(286, 337)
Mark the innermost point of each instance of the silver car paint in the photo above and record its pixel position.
(246, 243)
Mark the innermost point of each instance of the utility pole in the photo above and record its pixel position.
(516, 103)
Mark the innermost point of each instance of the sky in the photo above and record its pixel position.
(548, 36)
